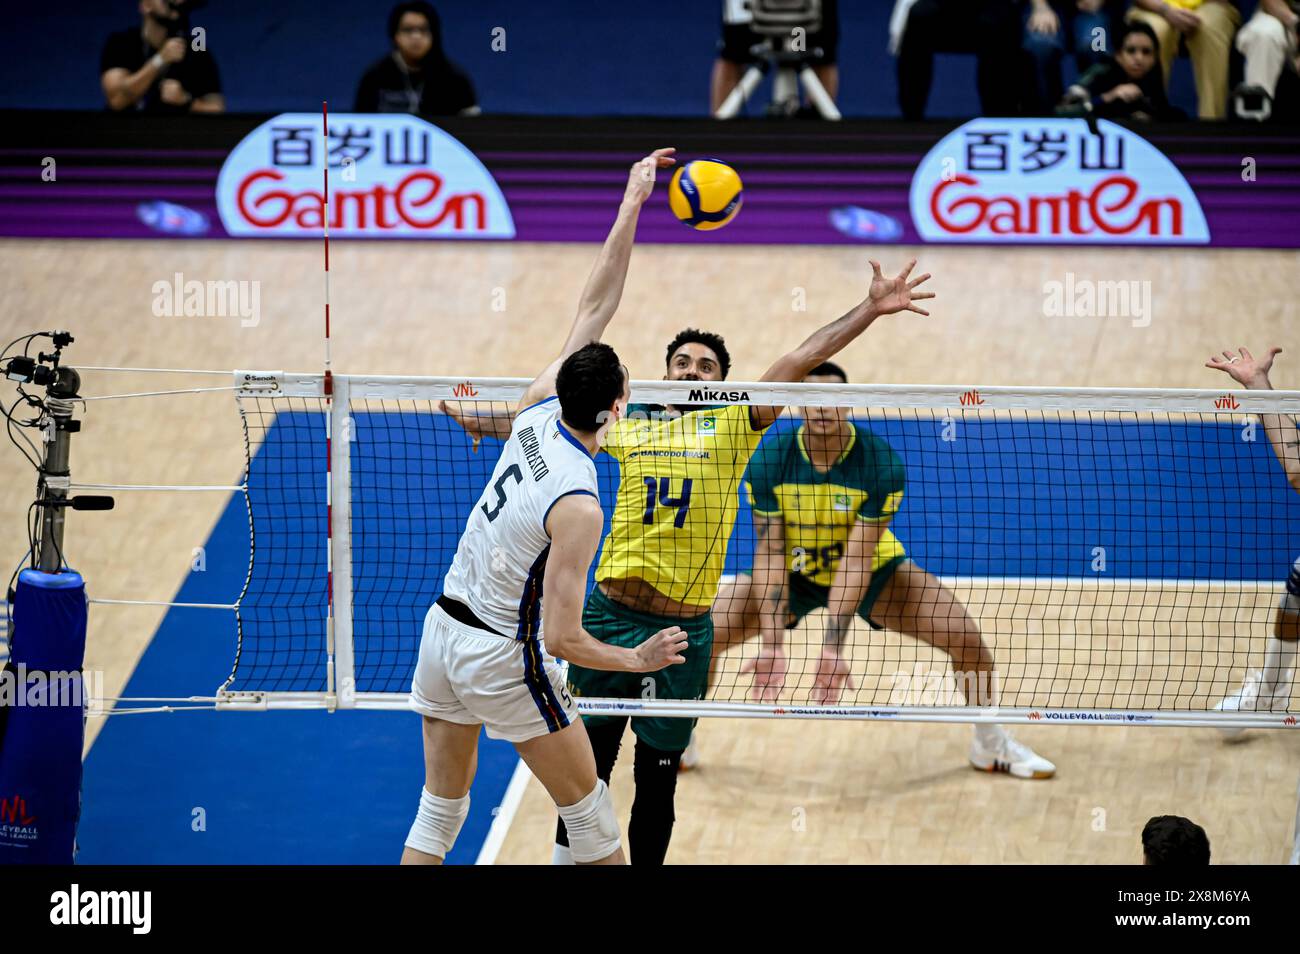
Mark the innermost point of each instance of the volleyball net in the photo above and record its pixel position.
(1120, 554)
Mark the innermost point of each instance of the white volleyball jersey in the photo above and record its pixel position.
(499, 562)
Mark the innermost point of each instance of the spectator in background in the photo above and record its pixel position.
(155, 68)
(1267, 42)
(1174, 841)
(738, 38)
(991, 29)
(1207, 28)
(1128, 87)
(416, 77)
(1082, 27)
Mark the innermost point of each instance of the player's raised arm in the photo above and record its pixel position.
(604, 288)
(574, 524)
(886, 296)
(1252, 373)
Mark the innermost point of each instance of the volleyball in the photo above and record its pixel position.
(705, 194)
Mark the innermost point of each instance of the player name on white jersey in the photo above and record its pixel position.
(501, 557)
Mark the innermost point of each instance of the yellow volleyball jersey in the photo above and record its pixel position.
(679, 490)
(821, 508)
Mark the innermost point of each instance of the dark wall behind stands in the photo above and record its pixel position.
(567, 57)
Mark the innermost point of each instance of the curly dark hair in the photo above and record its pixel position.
(707, 338)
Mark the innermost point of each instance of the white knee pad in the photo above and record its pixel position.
(592, 827)
(437, 823)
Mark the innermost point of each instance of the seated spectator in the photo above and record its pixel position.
(1207, 28)
(1082, 27)
(416, 77)
(990, 29)
(738, 38)
(1267, 42)
(154, 67)
(1172, 840)
(1127, 87)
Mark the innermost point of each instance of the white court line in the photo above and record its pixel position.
(505, 816)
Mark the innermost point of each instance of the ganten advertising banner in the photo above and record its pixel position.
(862, 182)
(391, 177)
(1052, 180)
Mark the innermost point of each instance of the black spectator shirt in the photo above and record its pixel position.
(128, 50)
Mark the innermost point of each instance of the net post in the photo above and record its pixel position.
(341, 426)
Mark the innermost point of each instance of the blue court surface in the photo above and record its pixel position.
(1005, 498)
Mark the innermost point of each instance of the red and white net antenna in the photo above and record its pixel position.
(329, 416)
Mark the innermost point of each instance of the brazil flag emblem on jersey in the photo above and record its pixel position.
(706, 426)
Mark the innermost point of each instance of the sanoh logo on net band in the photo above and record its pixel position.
(1052, 180)
(390, 177)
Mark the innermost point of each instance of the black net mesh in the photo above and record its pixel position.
(1092, 560)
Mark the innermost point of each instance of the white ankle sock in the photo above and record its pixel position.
(989, 734)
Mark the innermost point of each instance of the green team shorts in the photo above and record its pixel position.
(616, 625)
(806, 596)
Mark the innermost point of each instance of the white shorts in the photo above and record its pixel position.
(470, 676)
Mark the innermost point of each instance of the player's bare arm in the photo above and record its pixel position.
(479, 424)
(852, 580)
(1252, 373)
(596, 308)
(604, 288)
(771, 576)
(886, 296)
(575, 524)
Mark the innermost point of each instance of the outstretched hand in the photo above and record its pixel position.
(892, 295)
(665, 648)
(1245, 368)
(769, 669)
(641, 179)
(834, 675)
(475, 425)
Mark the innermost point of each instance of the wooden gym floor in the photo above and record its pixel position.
(767, 791)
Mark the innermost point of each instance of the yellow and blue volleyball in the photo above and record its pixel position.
(705, 194)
